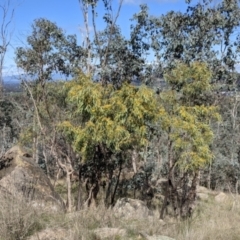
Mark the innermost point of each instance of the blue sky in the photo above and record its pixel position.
(67, 15)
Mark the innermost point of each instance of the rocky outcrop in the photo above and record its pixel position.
(221, 197)
(131, 208)
(20, 176)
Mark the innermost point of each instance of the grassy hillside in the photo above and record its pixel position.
(212, 220)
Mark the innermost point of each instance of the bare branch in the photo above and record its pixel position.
(5, 34)
(103, 57)
(35, 106)
(84, 8)
(112, 26)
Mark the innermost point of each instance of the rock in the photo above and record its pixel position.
(110, 233)
(201, 189)
(221, 197)
(159, 237)
(22, 177)
(4, 193)
(131, 208)
(202, 196)
(203, 193)
(50, 234)
(155, 237)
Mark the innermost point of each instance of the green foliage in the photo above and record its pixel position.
(204, 32)
(9, 128)
(225, 172)
(26, 136)
(191, 81)
(117, 60)
(116, 119)
(105, 121)
(188, 124)
(49, 51)
(6, 108)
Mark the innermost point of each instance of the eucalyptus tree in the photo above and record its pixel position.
(49, 51)
(88, 8)
(205, 32)
(110, 55)
(224, 172)
(118, 63)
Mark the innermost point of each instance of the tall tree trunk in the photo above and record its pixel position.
(171, 194)
(81, 186)
(35, 149)
(165, 201)
(46, 159)
(108, 191)
(189, 203)
(1, 82)
(115, 189)
(134, 160)
(209, 177)
(236, 187)
(69, 192)
(68, 169)
(79, 198)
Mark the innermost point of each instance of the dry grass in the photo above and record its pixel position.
(211, 221)
(17, 221)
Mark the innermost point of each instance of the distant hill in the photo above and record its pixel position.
(13, 83)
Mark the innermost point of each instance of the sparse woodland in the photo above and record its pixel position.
(116, 125)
